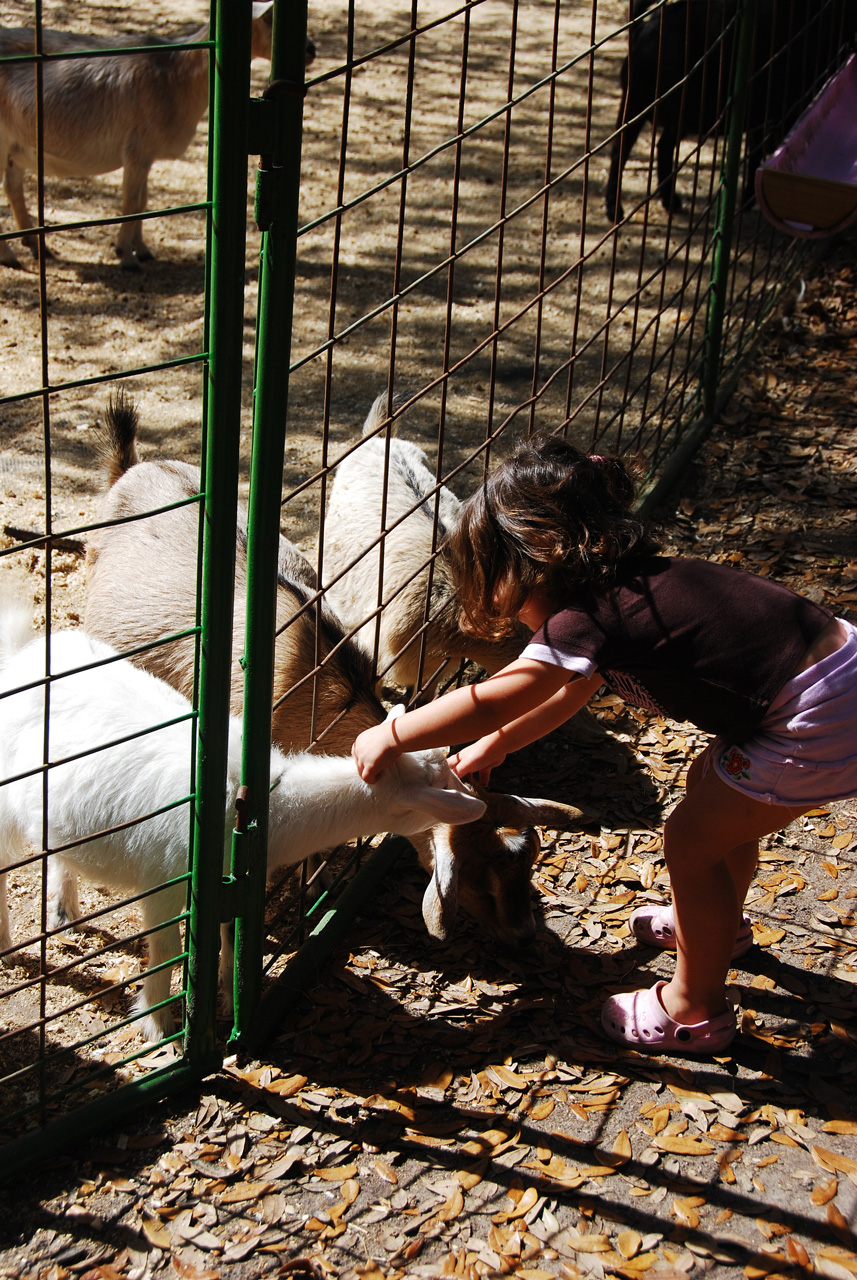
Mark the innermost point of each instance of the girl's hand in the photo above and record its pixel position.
(374, 750)
(477, 760)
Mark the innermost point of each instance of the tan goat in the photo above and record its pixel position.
(116, 111)
(141, 587)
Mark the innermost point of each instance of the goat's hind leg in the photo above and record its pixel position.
(667, 164)
(164, 947)
(63, 902)
(623, 144)
(130, 245)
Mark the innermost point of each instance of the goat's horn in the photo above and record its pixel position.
(521, 811)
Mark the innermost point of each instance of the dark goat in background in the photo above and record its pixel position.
(678, 74)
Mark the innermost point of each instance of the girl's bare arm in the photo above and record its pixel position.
(461, 715)
(482, 756)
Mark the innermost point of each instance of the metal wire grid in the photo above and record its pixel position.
(453, 243)
(631, 376)
(456, 214)
(68, 1041)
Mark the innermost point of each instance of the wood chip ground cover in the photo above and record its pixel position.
(453, 1110)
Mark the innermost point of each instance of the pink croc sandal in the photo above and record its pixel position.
(655, 926)
(638, 1019)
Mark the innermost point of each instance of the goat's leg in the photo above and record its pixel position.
(14, 183)
(164, 945)
(63, 902)
(5, 931)
(623, 144)
(667, 162)
(130, 246)
(8, 257)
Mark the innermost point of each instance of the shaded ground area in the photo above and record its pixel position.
(453, 1110)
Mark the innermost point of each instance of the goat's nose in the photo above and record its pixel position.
(522, 937)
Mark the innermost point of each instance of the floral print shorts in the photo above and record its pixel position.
(805, 750)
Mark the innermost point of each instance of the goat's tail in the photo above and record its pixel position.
(378, 414)
(16, 628)
(118, 443)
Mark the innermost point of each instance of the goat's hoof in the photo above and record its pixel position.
(62, 920)
(155, 1026)
(12, 262)
(32, 243)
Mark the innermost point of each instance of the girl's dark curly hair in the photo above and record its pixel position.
(549, 518)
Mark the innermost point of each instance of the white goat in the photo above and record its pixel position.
(316, 802)
(352, 564)
(141, 587)
(117, 111)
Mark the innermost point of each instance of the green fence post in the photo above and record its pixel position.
(279, 118)
(230, 91)
(727, 198)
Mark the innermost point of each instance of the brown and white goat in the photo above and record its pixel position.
(141, 587)
(113, 111)
(393, 479)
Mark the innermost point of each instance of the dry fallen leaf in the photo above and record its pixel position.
(622, 1146)
(834, 1162)
(384, 1171)
(524, 1205)
(629, 1243)
(341, 1173)
(683, 1145)
(246, 1191)
(189, 1271)
(824, 1192)
(156, 1234)
(588, 1244)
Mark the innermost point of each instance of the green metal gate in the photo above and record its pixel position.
(493, 288)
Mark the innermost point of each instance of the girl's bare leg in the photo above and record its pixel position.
(711, 845)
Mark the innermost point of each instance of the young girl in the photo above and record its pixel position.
(550, 540)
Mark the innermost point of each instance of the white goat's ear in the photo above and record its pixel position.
(450, 805)
(440, 900)
(396, 711)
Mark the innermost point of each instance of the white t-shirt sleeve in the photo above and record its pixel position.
(569, 661)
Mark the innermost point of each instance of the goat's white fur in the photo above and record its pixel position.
(316, 802)
(119, 111)
(352, 564)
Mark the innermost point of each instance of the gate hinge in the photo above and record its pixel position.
(265, 126)
(233, 888)
(268, 134)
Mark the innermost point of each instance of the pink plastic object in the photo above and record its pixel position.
(808, 187)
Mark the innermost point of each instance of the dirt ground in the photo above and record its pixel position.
(453, 1110)
(100, 320)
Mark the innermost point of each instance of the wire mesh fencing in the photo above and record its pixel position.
(112, 781)
(463, 275)
(513, 218)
